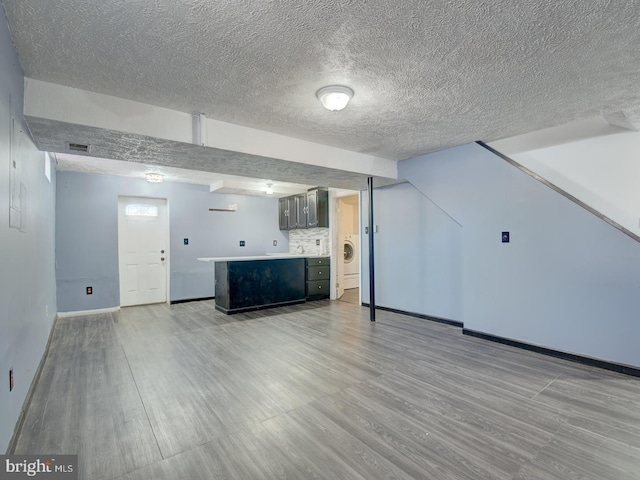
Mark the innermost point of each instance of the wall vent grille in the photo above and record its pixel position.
(79, 147)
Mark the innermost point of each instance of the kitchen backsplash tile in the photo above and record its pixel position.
(307, 239)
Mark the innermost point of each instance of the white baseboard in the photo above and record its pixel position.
(81, 313)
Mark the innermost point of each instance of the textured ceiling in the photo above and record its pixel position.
(427, 74)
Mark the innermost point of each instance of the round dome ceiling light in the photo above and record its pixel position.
(334, 97)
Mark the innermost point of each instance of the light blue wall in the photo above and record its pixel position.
(27, 279)
(87, 235)
(567, 280)
(417, 254)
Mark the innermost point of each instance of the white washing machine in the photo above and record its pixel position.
(351, 251)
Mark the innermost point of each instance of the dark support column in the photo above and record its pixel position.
(372, 277)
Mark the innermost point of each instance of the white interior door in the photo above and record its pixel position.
(339, 242)
(142, 250)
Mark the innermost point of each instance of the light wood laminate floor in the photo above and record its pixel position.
(315, 391)
(351, 295)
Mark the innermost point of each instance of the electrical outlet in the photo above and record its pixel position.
(11, 379)
(186, 241)
(89, 290)
(275, 243)
(242, 243)
(317, 241)
(46, 310)
(505, 237)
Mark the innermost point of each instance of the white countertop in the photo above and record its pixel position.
(268, 256)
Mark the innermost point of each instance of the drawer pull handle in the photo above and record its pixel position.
(319, 286)
(319, 273)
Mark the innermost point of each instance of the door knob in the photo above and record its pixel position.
(161, 251)
(162, 259)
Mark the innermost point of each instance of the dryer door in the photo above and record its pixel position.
(349, 252)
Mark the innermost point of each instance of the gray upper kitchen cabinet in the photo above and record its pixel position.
(292, 212)
(283, 213)
(301, 210)
(317, 208)
(305, 210)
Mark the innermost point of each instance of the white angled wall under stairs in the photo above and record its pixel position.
(592, 160)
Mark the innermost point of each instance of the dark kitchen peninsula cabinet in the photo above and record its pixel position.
(318, 277)
(306, 210)
(246, 285)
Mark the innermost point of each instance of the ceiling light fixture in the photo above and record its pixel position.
(269, 190)
(334, 97)
(155, 177)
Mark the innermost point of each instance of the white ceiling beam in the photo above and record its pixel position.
(628, 118)
(215, 186)
(74, 106)
(253, 185)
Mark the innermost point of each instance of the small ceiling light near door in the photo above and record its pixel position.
(334, 97)
(269, 190)
(155, 177)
